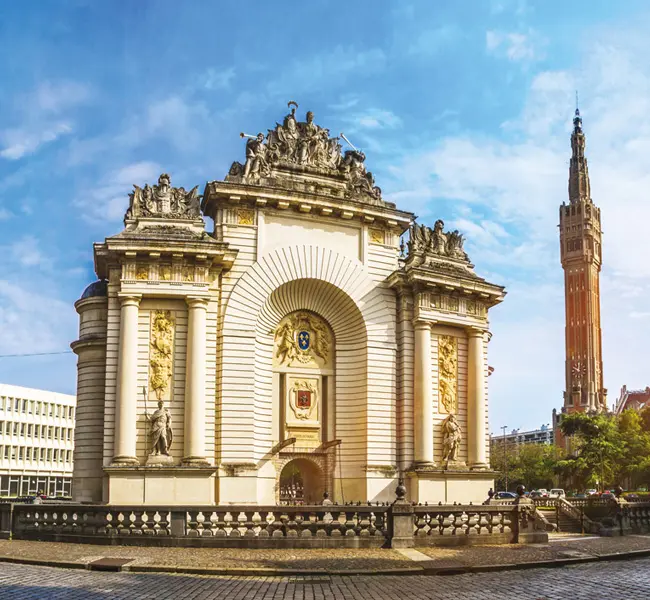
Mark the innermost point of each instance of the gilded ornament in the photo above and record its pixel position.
(471, 307)
(301, 337)
(303, 399)
(452, 304)
(161, 353)
(188, 273)
(448, 372)
(245, 217)
(165, 273)
(142, 273)
(376, 236)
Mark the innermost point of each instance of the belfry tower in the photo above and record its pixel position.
(580, 253)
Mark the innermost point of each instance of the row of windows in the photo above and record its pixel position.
(24, 485)
(42, 454)
(25, 406)
(36, 431)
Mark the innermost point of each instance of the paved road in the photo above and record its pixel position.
(620, 580)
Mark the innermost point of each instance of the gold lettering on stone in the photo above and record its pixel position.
(448, 373)
(161, 354)
(245, 217)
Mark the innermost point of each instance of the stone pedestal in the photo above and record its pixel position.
(159, 460)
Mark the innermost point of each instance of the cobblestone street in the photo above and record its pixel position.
(616, 580)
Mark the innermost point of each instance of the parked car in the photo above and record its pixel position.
(556, 493)
(537, 494)
(607, 495)
(632, 497)
(591, 492)
(504, 496)
(544, 492)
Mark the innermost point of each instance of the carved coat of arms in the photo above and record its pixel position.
(303, 398)
(301, 338)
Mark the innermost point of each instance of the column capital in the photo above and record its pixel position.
(473, 331)
(127, 299)
(421, 324)
(197, 302)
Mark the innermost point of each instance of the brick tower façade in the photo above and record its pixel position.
(580, 254)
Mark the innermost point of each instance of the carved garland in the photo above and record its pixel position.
(448, 373)
(161, 353)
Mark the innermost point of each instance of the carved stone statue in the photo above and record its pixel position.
(435, 242)
(452, 436)
(310, 147)
(161, 430)
(164, 201)
(161, 353)
(448, 372)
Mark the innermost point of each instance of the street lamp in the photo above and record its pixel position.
(505, 455)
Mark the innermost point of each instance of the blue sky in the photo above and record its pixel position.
(463, 109)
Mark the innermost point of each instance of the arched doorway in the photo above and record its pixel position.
(301, 482)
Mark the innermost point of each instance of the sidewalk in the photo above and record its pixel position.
(562, 549)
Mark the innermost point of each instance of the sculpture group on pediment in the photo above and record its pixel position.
(436, 242)
(164, 201)
(305, 144)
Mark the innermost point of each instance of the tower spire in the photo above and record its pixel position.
(579, 186)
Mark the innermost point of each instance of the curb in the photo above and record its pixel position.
(271, 572)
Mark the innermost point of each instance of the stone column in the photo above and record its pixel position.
(423, 417)
(195, 383)
(127, 383)
(476, 439)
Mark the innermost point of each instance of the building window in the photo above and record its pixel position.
(56, 433)
(49, 432)
(28, 453)
(22, 429)
(30, 407)
(70, 434)
(29, 430)
(6, 454)
(24, 406)
(42, 454)
(16, 404)
(21, 453)
(56, 411)
(51, 409)
(67, 456)
(13, 453)
(15, 428)
(38, 408)
(37, 430)
(55, 455)
(7, 428)
(49, 455)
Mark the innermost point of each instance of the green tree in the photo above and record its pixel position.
(596, 450)
(635, 463)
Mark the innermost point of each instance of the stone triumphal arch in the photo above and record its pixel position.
(292, 347)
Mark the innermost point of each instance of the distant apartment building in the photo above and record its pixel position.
(543, 435)
(36, 441)
(635, 399)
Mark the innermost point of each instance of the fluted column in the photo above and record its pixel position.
(476, 438)
(423, 417)
(195, 383)
(127, 383)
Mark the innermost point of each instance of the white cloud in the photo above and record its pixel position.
(431, 41)
(217, 79)
(515, 46)
(22, 142)
(108, 201)
(33, 320)
(26, 251)
(39, 115)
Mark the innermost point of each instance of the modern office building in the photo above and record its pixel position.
(543, 435)
(36, 441)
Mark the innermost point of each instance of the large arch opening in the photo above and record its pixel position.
(339, 388)
(301, 482)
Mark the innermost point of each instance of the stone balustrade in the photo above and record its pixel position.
(335, 526)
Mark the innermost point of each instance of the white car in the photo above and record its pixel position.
(556, 493)
(591, 492)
